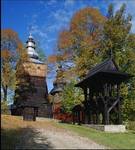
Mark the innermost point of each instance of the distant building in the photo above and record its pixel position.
(31, 97)
(56, 92)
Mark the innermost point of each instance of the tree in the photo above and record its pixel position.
(71, 96)
(92, 37)
(11, 48)
(82, 40)
(116, 33)
(119, 42)
(4, 108)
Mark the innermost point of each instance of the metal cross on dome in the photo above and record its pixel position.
(30, 29)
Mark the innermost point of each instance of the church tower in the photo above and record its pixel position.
(31, 99)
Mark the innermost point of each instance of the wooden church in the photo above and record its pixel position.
(31, 95)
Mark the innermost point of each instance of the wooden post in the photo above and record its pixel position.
(97, 117)
(84, 117)
(85, 94)
(73, 117)
(34, 117)
(89, 117)
(119, 105)
(79, 122)
(90, 111)
(106, 116)
(85, 112)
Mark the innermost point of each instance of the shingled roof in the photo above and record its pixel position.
(107, 70)
(107, 65)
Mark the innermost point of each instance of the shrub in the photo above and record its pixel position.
(131, 125)
(4, 108)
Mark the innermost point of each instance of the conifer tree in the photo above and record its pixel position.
(119, 42)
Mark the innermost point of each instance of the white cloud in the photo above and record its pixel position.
(61, 15)
(69, 3)
(47, 2)
(51, 40)
(52, 28)
(36, 30)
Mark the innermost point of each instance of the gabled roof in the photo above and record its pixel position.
(106, 71)
(107, 65)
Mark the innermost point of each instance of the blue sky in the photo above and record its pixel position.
(46, 18)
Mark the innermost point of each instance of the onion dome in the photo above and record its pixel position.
(30, 46)
(56, 88)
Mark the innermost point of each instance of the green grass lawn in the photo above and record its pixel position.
(112, 140)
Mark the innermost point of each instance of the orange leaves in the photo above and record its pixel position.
(5, 54)
(56, 58)
(11, 36)
(85, 16)
(11, 46)
(52, 59)
(65, 39)
(82, 39)
(87, 40)
(8, 33)
(19, 46)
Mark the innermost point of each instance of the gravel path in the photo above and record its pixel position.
(54, 138)
(66, 140)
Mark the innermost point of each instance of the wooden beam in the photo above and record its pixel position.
(119, 105)
(113, 105)
(79, 121)
(105, 100)
(73, 117)
(85, 94)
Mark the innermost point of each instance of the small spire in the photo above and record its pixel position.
(30, 28)
(30, 35)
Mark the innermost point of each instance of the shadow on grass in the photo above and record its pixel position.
(23, 138)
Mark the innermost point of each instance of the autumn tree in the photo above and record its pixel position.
(82, 40)
(78, 46)
(118, 41)
(11, 47)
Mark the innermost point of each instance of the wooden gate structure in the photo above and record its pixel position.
(101, 88)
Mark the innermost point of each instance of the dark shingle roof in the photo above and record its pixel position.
(104, 71)
(107, 65)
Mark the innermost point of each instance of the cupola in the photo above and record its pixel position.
(30, 46)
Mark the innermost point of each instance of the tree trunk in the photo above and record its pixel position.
(5, 92)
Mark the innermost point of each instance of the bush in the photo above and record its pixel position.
(4, 108)
(131, 125)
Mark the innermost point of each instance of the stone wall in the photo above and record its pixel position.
(107, 128)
